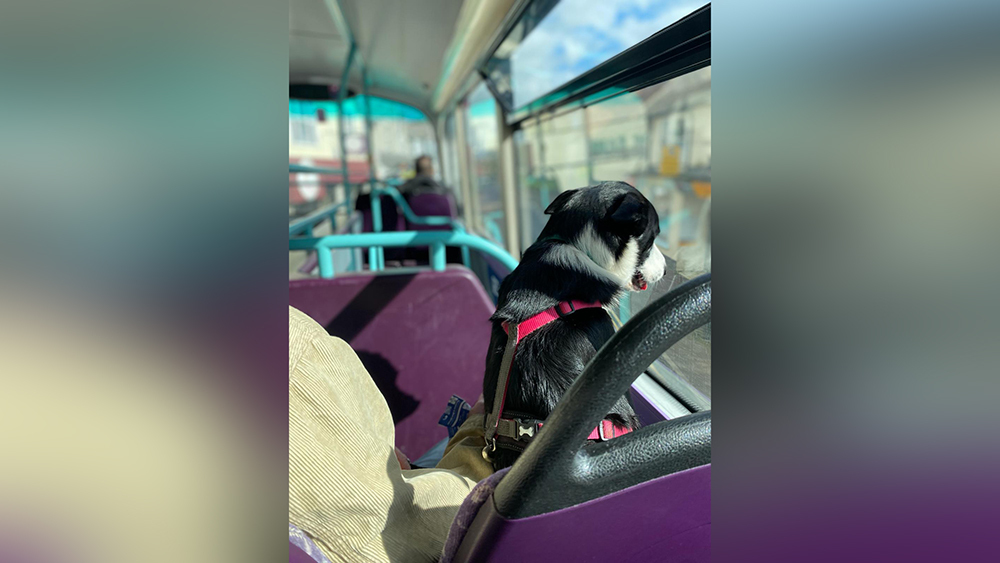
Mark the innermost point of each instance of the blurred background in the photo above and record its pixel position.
(142, 246)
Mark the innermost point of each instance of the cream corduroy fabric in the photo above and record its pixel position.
(345, 487)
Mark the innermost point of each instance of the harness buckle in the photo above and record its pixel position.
(559, 311)
(524, 429)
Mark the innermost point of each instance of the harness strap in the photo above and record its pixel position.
(493, 419)
(523, 430)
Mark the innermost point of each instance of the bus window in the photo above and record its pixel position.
(400, 134)
(659, 140)
(314, 140)
(483, 137)
(556, 41)
(552, 157)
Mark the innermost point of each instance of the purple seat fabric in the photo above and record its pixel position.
(480, 494)
(647, 412)
(667, 519)
(422, 336)
(429, 204)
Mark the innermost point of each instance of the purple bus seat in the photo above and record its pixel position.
(431, 204)
(421, 335)
(392, 220)
(426, 205)
(644, 496)
(667, 519)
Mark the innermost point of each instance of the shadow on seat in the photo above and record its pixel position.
(422, 336)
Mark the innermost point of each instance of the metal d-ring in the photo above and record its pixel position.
(492, 443)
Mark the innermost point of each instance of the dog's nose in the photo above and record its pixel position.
(664, 268)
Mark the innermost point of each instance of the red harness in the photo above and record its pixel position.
(518, 428)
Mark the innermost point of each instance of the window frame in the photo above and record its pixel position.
(679, 48)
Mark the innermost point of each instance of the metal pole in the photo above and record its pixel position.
(341, 122)
(325, 257)
(368, 125)
(508, 182)
(371, 158)
(586, 141)
(464, 166)
(437, 255)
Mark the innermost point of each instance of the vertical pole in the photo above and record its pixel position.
(342, 122)
(464, 166)
(508, 182)
(369, 144)
(376, 251)
(368, 126)
(544, 198)
(325, 257)
(586, 149)
(437, 256)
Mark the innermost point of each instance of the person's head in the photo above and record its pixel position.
(423, 166)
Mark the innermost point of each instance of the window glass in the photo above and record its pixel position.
(314, 140)
(552, 157)
(450, 172)
(658, 139)
(558, 40)
(400, 134)
(483, 138)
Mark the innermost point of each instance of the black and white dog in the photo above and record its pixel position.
(597, 244)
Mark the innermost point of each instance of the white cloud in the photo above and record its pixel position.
(576, 31)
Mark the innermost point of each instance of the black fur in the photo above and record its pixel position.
(550, 359)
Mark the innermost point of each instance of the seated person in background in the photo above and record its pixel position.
(423, 182)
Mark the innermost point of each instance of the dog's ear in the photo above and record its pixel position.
(630, 212)
(559, 202)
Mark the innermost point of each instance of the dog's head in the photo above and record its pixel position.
(614, 226)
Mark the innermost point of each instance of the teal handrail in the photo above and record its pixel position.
(306, 224)
(303, 169)
(435, 220)
(376, 257)
(436, 240)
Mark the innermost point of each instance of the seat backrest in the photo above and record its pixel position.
(422, 335)
(644, 496)
(392, 219)
(667, 519)
(431, 204)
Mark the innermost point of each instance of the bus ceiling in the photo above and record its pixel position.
(419, 52)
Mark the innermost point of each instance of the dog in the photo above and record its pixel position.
(597, 244)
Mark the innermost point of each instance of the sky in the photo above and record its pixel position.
(578, 35)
